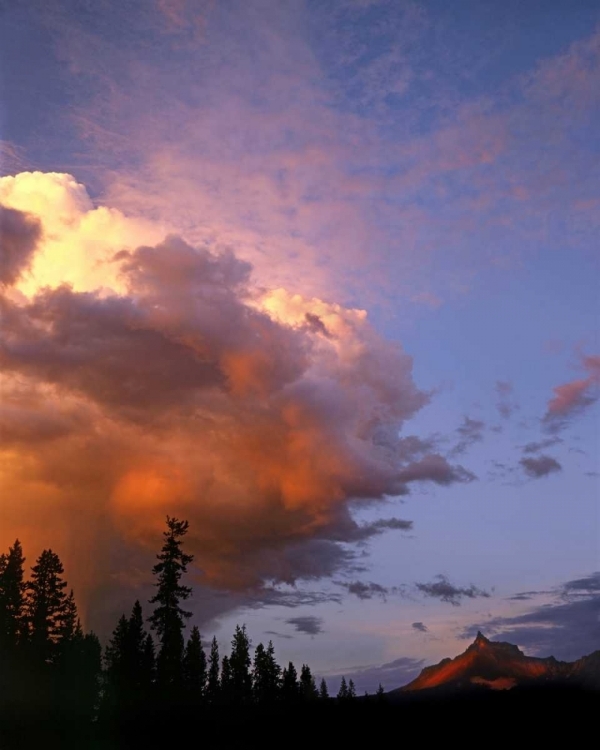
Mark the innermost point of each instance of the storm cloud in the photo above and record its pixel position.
(258, 415)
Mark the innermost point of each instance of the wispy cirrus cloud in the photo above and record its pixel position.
(505, 401)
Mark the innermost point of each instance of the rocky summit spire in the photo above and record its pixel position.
(481, 640)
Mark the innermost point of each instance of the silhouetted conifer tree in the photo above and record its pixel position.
(168, 618)
(379, 693)
(308, 688)
(225, 682)
(48, 608)
(194, 668)
(239, 663)
(213, 683)
(148, 671)
(351, 690)
(323, 691)
(289, 684)
(129, 660)
(13, 630)
(12, 598)
(116, 675)
(343, 691)
(69, 623)
(266, 674)
(79, 675)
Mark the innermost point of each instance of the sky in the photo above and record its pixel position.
(321, 278)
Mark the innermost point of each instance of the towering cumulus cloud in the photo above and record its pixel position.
(160, 380)
(19, 234)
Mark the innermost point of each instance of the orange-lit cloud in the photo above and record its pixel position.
(572, 398)
(157, 379)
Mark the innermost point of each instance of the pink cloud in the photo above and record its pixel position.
(574, 397)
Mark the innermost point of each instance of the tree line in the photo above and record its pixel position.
(50, 667)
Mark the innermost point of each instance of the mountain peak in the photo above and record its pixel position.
(481, 640)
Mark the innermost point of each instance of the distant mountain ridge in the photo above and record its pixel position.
(501, 666)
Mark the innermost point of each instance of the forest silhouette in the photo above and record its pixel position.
(60, 688)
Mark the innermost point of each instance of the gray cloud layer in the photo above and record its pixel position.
(445, 591)
(540, 466)
(308, 624)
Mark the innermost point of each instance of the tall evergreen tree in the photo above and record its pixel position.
(351, 690)
(323, 691)
(308, 689)
(240, 662)
(168, 618)
(148, 672)
(116, 676)
(78, 680)
(194, 667)
(266, 674)
(12, 597)
(289, 684)
(343, 691)
(129, 660)
(47, 606)
(213, 683)
(134, 646)
(69, 623)
(225, 682)
(13, 630)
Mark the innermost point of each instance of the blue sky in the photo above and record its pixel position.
(434, 165)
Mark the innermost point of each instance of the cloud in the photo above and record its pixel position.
(308, 624)
(368, 530)
(435, 468)
(443, 590)
(566, 628)
(534, 447)
(365, 590)
(573, 398)
(159, 379)
(19, 235)
(505, 403)
(470, 432)
(421, 627)
(540, 466)
(279, 635)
